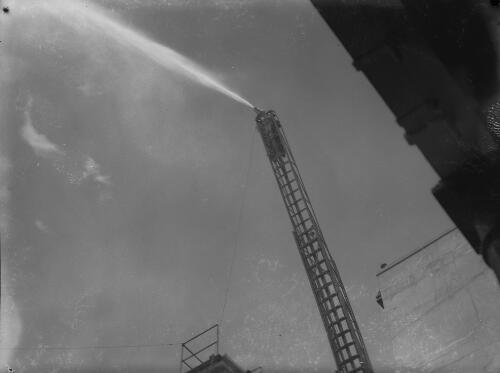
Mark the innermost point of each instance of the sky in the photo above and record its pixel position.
(136, 202)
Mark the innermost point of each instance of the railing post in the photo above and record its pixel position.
(196, 355)
(182, 357)
(217, 348)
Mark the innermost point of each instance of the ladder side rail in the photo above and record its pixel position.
(335, 347)
(356, 334)
(278, 165)
(334, 344)
(350, 355)
(284, 180)
(297, 173)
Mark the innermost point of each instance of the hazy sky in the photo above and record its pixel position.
(126, 187)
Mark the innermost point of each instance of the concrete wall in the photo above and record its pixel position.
(442, 309)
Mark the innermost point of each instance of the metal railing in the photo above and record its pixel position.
(192, 359)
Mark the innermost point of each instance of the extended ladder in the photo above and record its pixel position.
(338, 318)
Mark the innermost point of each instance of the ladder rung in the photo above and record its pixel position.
(292, 200)
(318, 263)
(324, 286)
(350, 359)
(347, 345)
(298, 212)
(342, 333)
(338, 307)
(294, 203)
(328, 298)
(292, 192)
(314, 252)
(282, 166)
(310, 243)
(287, 184)
(304, 221)
(338, 321)
(283, 174)
(321, 274)
(307, 231)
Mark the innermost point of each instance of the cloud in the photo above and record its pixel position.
(104, 179)
(93, 170)
(41, 226)
(10, 327)
(39, 142)
(4, 195)
(81, 169)
(10, 321)
(41, 145)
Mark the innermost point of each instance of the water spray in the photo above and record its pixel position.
(79, 15)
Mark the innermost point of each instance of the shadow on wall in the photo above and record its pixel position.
(441, 308)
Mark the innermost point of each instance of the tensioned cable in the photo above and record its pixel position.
(138, 346)
(91, 347)
(238, 226)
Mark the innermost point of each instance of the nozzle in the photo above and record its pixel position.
(257, 110)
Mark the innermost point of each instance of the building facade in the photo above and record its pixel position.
(442, 309)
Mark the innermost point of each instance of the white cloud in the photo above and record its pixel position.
(10, 327)
(39, 142)
(10, 321)
(4, 195)
(104, 179)
(41, 226)
(4, 169)
(41, 145)
(81, 169)
(93, 170)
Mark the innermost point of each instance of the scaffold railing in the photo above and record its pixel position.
(198, 349)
